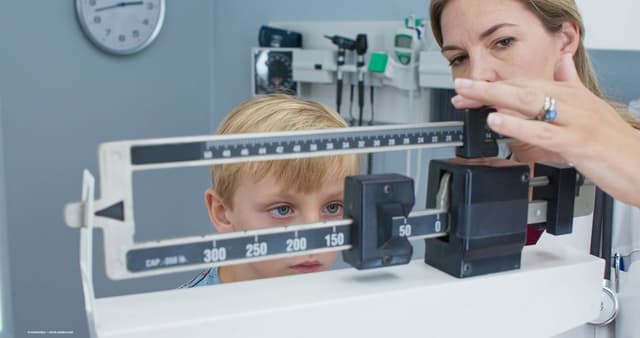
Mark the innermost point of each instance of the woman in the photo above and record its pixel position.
(527, 59)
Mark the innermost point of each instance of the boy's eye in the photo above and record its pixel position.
(281, 211)
(333, 208)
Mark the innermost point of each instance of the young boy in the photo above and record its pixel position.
(254, 195)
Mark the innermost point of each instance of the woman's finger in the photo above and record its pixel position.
(460, 102)
(545, 135)
(528, 100)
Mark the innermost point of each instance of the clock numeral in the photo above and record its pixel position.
(121, 38)
(135, 33)
(145, 22)
(97, 19)
(107, 31)
(150, 5)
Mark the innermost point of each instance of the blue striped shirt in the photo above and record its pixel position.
(207, 277)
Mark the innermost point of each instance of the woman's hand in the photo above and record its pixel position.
(587, 132)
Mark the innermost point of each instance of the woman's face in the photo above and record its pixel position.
(493, 40)
(497, 40)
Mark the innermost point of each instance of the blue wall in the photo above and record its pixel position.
(61, 97)
(5, 295)
(619, 73)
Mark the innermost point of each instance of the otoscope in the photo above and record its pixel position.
(361, 49)
(343, 44)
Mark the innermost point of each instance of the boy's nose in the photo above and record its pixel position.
(311, 217)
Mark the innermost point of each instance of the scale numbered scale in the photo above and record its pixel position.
(250, 246)
(375, 232)
(113, 212)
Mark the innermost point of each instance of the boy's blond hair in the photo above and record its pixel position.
(278, 112)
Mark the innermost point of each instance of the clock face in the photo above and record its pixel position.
(121, 27)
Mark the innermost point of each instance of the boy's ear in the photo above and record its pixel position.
(217, 211)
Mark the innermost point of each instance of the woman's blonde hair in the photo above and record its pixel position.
(552, 14)
(278, 112)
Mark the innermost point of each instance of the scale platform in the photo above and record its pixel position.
(556, 289)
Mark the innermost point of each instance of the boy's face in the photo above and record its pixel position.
(268, 203)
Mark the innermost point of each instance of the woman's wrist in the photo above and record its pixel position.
(613, 164)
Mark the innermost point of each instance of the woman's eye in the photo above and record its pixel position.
(506, 42)
(281, 211)
(333, 208)
(457, 60)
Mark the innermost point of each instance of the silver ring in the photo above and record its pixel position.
(549, 112)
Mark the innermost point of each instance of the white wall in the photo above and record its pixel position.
(612, 24)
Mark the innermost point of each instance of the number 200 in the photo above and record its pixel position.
(296, 244)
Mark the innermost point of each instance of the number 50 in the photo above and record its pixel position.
(405, 230)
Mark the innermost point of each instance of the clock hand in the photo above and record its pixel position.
(121, 4)
(107, 7)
